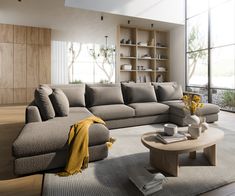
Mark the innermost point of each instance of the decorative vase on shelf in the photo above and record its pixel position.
(192, 120)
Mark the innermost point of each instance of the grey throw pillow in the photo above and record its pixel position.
(75, 95)
(105, 95)
(140, 94)
(43, 102)
(169, 91)
(60, 102)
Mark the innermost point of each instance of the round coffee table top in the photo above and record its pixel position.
(208, 138)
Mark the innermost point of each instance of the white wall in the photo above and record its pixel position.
(177, 55)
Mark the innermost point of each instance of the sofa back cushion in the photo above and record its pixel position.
(60, 102)
(75, 94)
(104, 95)
(43, 102)
(125, 89)
(139, 93)
(167, 91)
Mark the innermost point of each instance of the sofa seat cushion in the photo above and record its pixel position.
(111, 112)
(177, 108)
(149, 108)
(51, 136)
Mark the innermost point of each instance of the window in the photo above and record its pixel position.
(85, 63)
(210, 50)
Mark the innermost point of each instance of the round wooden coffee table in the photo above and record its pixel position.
(165, 156)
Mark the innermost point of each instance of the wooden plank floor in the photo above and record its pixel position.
(12, 121)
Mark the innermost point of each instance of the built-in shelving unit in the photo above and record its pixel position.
(145, 51)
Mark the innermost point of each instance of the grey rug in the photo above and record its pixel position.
(109, 176)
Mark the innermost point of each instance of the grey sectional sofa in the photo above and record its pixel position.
(42, 143)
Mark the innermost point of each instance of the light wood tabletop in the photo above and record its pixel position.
(165, 156)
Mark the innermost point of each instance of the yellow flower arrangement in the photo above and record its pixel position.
(192, 103)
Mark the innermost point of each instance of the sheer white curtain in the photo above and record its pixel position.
(59, 58)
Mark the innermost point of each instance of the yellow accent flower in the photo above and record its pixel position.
(192, 103)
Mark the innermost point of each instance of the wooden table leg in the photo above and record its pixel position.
(165, 161)
(192, 155)
(210, 153)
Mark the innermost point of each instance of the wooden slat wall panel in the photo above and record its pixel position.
(44, 64)
(6, 33)
(32, 35)
(20, 95)
(6, 65)
(32, 65)
(25, 62)
(30, 94)
(20, 66)
(6, 96)
(44, 36)
(19, 34)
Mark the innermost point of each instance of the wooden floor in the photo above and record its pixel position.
(12, 121)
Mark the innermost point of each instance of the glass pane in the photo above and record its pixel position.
(196, 6)
(223, 67)
(197, 68)
(223, 24)
(202, 91)
(197, 32)
(214, 3)
(91, 63)
(224, 98)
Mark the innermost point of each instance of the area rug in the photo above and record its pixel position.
(110, 176)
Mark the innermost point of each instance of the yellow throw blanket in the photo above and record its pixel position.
(78, 146)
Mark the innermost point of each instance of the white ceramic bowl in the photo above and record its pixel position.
(170, 129)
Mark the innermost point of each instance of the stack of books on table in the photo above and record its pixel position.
(166, 139)
(145, 181)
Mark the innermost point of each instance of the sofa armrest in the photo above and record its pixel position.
(32, 114)
(192, 93)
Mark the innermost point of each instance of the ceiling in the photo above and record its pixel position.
(161, 10)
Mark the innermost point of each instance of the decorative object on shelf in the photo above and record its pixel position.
(126, 67)
(145, 56)
(159, 78)
(140, 68)
(128, 41)
(161, 56)
(161, 69)
(160, 45)
(122, 41)
(142, 43)
(170, 129)
(194, 130)
(151, 42)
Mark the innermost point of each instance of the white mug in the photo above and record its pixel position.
(194, 131)
(170, 129)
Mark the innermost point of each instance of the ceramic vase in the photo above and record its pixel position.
(192, 120)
